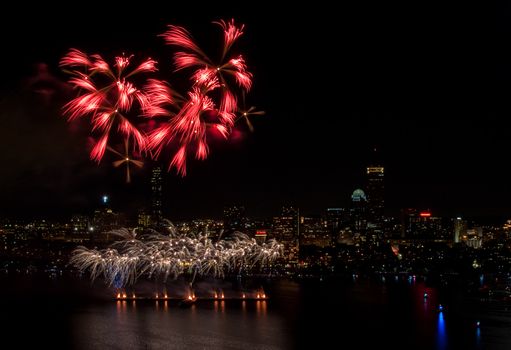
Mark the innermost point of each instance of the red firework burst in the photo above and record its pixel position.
(108, 96)
(199, 113)
(118, 100)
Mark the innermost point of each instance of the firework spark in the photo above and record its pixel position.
(108, 96)
(246, 113)
(211, 104)
(119, 99)
(126, 159)
(172, 255)
(191, 56)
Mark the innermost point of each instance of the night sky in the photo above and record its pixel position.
(428, 85)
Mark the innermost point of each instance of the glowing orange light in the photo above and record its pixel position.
(425, 214)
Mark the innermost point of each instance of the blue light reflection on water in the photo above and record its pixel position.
(441, 333)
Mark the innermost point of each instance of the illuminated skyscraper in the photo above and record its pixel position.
(358, 211)
(375, 191)
(335, 218)
(460, 229)
(156, 194)
(286, 229)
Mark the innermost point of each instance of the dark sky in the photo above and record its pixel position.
(427, 84)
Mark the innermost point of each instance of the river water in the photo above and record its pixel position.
(59, 313)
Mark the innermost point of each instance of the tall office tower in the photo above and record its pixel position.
(156, 195)
(375, 190)
(335, 219)
(358, 211)
(406, 221)
(460, 229)
(286, 229)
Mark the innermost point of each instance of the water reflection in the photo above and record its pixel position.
(261, 307)
(441, 333)
(478, 335)
(295, 315)
(120, 307)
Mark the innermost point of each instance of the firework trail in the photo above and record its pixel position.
(110, 97)
(119, 99)
(246, 113)
(126, 159)
(211, 104)
(172, 255)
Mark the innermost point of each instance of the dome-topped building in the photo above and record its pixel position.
(358, 211)
(358, 195)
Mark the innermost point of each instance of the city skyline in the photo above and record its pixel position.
(255, 175)
(443, 144)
